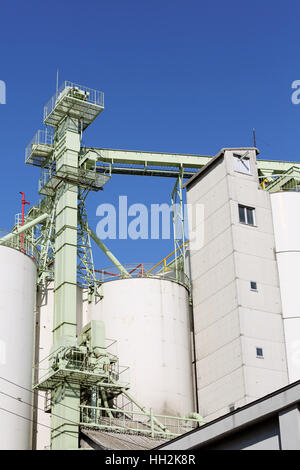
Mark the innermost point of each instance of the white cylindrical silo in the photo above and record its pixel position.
(286, 220)
(17, 304)
(149, 318)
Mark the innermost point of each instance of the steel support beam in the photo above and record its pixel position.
(25, 227)
(150, 158)
(133, 157)
(108, 253)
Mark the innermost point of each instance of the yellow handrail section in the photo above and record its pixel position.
(263, 183)
(164, 260)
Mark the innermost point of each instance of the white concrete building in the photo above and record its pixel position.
(244, 279)
(269, 423)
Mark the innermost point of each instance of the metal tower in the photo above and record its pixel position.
(65, 182)
(80, 373)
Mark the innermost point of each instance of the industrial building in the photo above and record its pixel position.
(213, 327)
(270, 423)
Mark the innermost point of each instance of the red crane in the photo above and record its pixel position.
(23, 212)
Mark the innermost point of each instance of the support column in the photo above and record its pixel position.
(66, 398)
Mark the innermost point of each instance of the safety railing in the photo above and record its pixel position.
(18, 219)
(47, 401)
(76, 92)
(87, 178)
(136, 421)
(39, 147)
(164, 264)
(144, 270)
(25, 246)
(74, 360)
(288, 181)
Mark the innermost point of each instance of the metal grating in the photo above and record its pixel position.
(40, 148)
(76, 101)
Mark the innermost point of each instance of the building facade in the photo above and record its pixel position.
(238, 295)
(270, 423)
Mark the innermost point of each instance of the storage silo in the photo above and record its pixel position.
(150, 320)
(285, 210)
(17, 304)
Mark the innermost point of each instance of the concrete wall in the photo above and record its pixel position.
(231, 321)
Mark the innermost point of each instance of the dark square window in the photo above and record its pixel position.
(242, 214)
(247, 215)
(250, 216)
(259, 352)
(253, 285)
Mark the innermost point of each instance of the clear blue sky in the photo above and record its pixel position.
(182, 77)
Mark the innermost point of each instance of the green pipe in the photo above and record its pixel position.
(108, 253)
(22, 229)
(144, 410)
(104, 398)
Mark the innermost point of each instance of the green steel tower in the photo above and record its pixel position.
(80, 374)
(64, 178)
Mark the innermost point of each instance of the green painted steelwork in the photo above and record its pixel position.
(150, 158)
(108, 253)
(58, 232)
(287, 181)
(64, 435)
(178, 226)
(69, 112)
(86, 277)
(23, 229)
(155, 163)
(137, 421)
(269, 167)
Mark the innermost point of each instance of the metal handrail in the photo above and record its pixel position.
(164, 260)
(42, 137)
(287, 181)
(143, 270)
(94, 97)
(136, 421)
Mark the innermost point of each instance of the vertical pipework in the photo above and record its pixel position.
(24, 202)
(35, 369)
(194, 359)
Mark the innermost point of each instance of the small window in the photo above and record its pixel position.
(241, 163)
(247, 215)
(259, 352)
(253, 286)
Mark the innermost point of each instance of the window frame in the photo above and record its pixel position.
(253, 289)
(237, 158)
(246, 208)
(259, 356)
